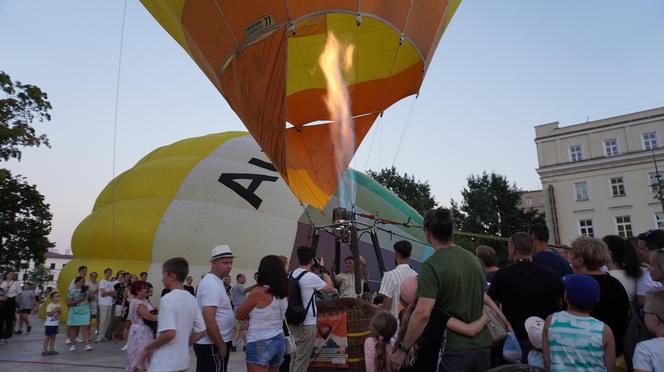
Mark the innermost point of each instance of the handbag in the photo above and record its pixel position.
(289, 341)
(495, 325)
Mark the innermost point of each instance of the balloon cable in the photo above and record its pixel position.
(115, 134)
(404, 130)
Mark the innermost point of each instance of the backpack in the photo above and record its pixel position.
(296, 312)
(636, 332)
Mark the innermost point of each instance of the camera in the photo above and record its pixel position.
(318, 267)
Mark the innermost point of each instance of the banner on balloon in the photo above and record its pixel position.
(331, 345)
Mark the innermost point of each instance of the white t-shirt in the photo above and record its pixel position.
(645, 283)
(104, 286)
(177, 311)
(308, 283)
(211, 292)
(391, 285)
(53, 320)
(12, 289)
(648, 355)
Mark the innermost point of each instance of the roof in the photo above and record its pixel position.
(51, 254)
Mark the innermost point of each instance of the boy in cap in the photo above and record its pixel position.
(573, 340)
(649, 354)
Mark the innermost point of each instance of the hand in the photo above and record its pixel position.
(397, 359)
(222, 350)
(146, 356)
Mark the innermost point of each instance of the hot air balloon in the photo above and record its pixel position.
(263, 55)
(187, 197)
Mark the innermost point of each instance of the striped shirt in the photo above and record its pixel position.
(390, 286)
(576, 343)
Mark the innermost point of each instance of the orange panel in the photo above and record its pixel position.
(393, 11)
(241, 14)
(311, 26)
(299, 8)
(254, 83)
(425, 18)
(368, 97)
(310, 150)
(208, 37)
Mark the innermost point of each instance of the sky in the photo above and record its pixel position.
(501, 68)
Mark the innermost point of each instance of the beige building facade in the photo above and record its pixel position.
(533, 199)
(599, 177)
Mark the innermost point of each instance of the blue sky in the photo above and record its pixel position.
(501, 68)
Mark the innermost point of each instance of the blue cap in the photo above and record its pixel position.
(582, 291)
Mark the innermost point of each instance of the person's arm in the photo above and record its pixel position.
(213, 332)
(387, 302)
(609, 349)
(457, 326)
(195, 336)
(418, 320)
(54, 311)
(251, 301)
(489, 302)
(143, 312)
(162, 339)
(72, 302)
(337, 279)
(545, 344)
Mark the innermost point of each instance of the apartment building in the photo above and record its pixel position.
(600, 177)
(532, 199)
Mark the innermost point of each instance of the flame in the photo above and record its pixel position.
(334, 57)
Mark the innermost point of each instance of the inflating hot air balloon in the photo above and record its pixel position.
(185, 198)
(262, 56)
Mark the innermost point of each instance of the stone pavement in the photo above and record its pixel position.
(23, 353)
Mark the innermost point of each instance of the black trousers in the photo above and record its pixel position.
(7, 318)
(208, 358)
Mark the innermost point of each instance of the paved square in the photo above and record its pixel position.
(23, 353)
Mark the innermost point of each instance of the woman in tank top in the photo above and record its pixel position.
(265, 307)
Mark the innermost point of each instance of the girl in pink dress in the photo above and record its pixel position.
(140, 334)
(377, 348)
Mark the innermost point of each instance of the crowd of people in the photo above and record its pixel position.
(574, 309)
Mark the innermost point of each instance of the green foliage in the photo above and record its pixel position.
(21, 106)
(490, 206)
(414, 192)
(39, 275)
(25, 222)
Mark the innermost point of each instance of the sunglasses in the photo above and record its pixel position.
(644, 313)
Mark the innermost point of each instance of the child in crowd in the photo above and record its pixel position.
(535, 327)
(649, 354)
(377, 348)
(51, 324)
(423, 356)
(179, 323)
(573, 340)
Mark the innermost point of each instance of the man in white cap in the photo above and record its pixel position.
(213, 350)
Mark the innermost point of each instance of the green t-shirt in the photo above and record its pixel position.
(455, 279)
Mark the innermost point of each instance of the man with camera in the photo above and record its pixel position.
(305, 333)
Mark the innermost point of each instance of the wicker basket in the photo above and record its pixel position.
(359, 314)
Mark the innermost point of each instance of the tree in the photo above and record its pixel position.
(25, 222)
(414, 192)
(21, 106)
(39, 275)
(490, 206)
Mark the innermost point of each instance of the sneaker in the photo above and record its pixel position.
(88, 347)
(72, 348)
(45, 353)
(29, 329)
(99, 339)
(79, 340)
(19, 332)
(53, 352)
(67, 341)
(96, 332)
(124, 348)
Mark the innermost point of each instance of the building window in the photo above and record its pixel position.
(611, 147)
(52, 266)
(575, 153)
(50, 278)
(654, 180)
(63, 265)
(586, 227)
(617, 186)
(529, 201)
(659, 220)
(624, 226)
(581, 190)
(649, 140)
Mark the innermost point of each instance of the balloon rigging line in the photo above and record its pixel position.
(373, 139)
(404, 130)
(115, 129)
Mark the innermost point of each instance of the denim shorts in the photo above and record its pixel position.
(267, 353)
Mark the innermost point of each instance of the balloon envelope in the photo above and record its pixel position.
(262, 56)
